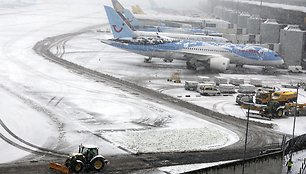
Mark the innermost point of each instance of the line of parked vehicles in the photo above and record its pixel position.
(220, 85)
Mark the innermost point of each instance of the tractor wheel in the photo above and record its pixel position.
(98, 164)
(77, 166)
(280, 113)
(67, 162)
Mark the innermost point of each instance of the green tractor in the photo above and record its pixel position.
(87, 159)
(273, 109)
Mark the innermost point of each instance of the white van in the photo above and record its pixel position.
(295, 69)
(208, 89)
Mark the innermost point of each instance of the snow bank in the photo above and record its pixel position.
(190, 167)
(170, 140)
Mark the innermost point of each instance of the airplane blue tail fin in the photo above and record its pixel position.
(119, 27)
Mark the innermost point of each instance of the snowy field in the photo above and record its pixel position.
(50, 106)
(154, 76)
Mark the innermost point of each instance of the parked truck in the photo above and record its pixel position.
(204, 79)
(236, 81)
(256, 82)
(220, 80)
(227, 88)
(191, 85)
(246, 88)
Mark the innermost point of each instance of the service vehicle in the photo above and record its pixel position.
(284, 96)
(236, 81)
(247, 88)
(220, 80)
(227, 88)
(295, 69)
(292, 109)
(208, 89)
(175, 77)
(204, 79)
(191, 85)
(244, 98)
(256, 82)
(87, 159)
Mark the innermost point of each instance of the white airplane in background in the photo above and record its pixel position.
(179, 21)
(128, 17)
(161, 28)
(197, 54)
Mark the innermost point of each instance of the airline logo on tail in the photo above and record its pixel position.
(116, 29)
(119, 27)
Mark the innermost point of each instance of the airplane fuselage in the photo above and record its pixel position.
(186, 50)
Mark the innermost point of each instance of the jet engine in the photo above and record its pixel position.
(219, 63)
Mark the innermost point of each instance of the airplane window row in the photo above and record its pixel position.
(201, 49)
(211, 25)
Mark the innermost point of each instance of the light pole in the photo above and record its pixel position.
(295, 112)
(247, 130)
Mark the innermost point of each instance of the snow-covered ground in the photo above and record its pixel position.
(298, 159)
(50, 106)
(154, 75)
(191, 167)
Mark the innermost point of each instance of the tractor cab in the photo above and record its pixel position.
(87, 158)
(89, 151)
(84, 149)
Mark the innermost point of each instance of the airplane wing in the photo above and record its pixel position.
(213, 61)
(191, 54)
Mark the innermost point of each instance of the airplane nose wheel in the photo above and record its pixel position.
(147, 60)
(168, 60)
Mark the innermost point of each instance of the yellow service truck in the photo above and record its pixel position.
(283, 97)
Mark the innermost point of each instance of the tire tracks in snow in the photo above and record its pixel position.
(39, 150)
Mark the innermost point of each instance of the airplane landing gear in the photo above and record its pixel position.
(147, 60)
(196, 65)
(168, 60)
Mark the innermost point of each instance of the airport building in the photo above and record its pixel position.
(292, 47)
(270, 31)
(275, 34)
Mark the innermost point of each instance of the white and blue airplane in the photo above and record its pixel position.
(197, 54)
(173, 32)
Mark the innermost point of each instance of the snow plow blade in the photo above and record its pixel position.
(59, 167)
